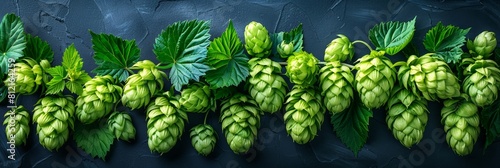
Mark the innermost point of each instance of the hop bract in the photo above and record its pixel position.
(430, 77)
(28, 76)
(120, 124)
(17, 125)
(482, 81)
(266, 86)
(336, 86)
(165, 123)
(257, 40)
(461, 124)
(54, 118)
(483, 44)
(203, 139)
(98, 99)
(407, 116)
(141, 87)
(302, 68)
(375, 79)
(197, 98)
(304, 114)
(240, 117)
(340, 49)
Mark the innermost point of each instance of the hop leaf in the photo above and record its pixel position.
(12, 40)
(95, 139)
(182, 46)
(392, 37)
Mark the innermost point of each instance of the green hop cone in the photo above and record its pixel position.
(266, 85)
(375, 79)
(407, 116)
(336, 86)
(54, 116)
(302, 68)
(461, 124)
(165, 123)
(98, 99)
(257, 40)
(285, 50)
(430, 77)
(240, 117)
(483, 44)
(197, 98)
(141, 87)
(17, 126)
(120, 124)
(304, 114)
(203, 138)
(340, 49)
(28, 76)
(482, 81)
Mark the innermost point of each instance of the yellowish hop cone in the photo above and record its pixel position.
(304, 114)
(336, 83)
(375, 79)
(17, 126)
(461, 124)
(407, 116)
(265, 84)
(54, 116)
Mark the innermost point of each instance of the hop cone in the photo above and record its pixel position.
(461, 124)
(120, 124)
(257, 40)
(285, 49)
(196, 98)
(304, 114)
(98, 99)
(375, 79)
(406, 116)
(54, 118)
(203, 139)
(141, 87)
(28, 76)
(483, 44)
(240, 117)
(429, 77)
(482, 82)
(17, 125)
(336, 86)
(165, 122)
(266, 86)
(302, 68)
(340, 49)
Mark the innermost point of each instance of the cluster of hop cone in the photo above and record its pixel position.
(377, 83)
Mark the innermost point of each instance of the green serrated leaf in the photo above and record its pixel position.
(276, 39)
(3, 92)
(75, 87)
(183, 47)
(114, 55)
(351, 126)
(490, 121)
(225, 92)
(229, 63)
(12, 40)
(393, 36)
(71, 58)
(446, 41)
(56, 84)
(296, 36)
(38, 49)
(95, 139)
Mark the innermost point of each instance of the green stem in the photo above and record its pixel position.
(17, 97)
(363, 42)
(164, 67)
(205, 120)
(348, 65)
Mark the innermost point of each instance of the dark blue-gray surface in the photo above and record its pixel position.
(63, 22)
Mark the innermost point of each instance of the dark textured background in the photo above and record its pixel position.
(63, 22)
